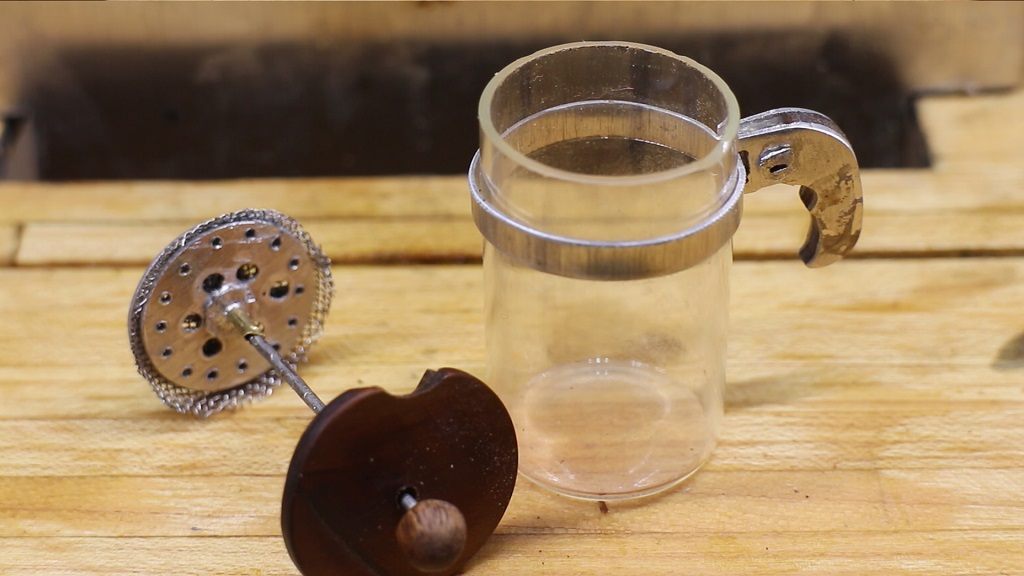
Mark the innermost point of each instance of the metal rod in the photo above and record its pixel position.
(287, 374)
(253, 334)
(408, 501)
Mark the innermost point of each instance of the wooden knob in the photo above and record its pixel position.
(432, 534)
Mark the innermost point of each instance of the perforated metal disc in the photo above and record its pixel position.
(260, 260)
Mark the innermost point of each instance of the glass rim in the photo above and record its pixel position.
(726, 133)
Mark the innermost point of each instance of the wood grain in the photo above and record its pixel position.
(915, 317)
(171, 201)
(901, 428)
(349, 241)
(973, 132)
(715, 501)
(962, 552)
(969, 204)
(907, 213)
(874, 408)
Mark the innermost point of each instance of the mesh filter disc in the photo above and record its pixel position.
(259, 259)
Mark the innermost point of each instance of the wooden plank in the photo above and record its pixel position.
(772, 553)
(939, 328)
(906, 213)
(444, 239)
(974, 132)
(907, 411)
(893, 444)
(163, 201)
(27, 392)
(195, 556)
(962, 552)
(938, 437)
(714, 502)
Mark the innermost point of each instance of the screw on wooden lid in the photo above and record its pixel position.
(389, 485)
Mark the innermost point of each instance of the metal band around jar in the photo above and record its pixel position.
(595, 260)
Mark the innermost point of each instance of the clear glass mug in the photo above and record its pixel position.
(608, 185)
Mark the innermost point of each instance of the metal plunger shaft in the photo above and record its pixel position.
(266, 350)
(253, 334)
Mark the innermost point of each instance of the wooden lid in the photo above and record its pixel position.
(451, 439)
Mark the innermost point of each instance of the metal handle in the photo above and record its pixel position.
(805, 148)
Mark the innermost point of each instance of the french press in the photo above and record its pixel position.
(608, 185)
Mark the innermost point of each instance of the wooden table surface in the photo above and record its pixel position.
(875, 409)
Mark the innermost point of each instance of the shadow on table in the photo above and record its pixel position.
(1011, 355)
(782, 388)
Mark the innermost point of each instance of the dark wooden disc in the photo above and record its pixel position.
(451, 439)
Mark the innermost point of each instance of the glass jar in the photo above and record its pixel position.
(608, 186)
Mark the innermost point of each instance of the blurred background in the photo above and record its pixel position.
(205, 91)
